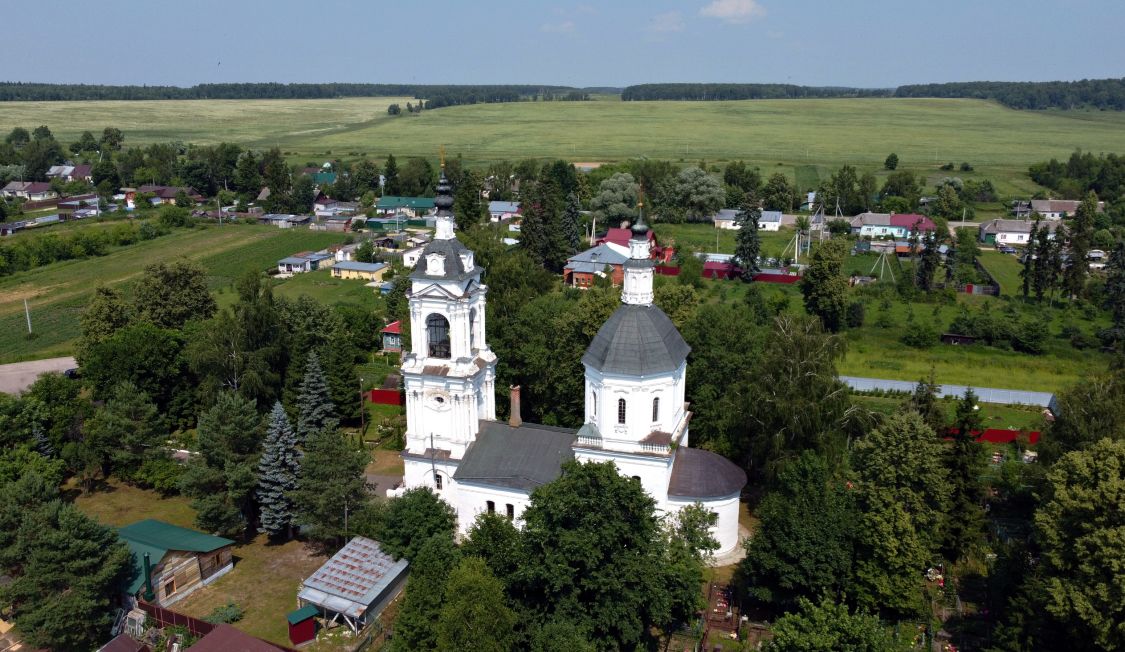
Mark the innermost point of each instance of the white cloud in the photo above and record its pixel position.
(671, 21)
(565, 27)
(733, 11)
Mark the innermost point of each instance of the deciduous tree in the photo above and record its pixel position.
(411, 519)
(829, 627)
(1079, 525)
(475, 615)
(171, 294)
(824, 287)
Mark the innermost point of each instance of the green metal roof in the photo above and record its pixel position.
(157, 538)
(302, 614)
(391, 201)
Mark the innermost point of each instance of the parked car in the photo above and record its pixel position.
(1006, 249)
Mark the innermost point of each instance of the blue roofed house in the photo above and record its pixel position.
(769, 221)
(304, 262)
(170, 561)
(602, 260)
(351, 269)
(503, 210)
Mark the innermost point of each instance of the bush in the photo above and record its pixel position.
(965, 167)
(1030, 336)
(920, 336)
(947, 166)
(161, 475)
(891, 162)
(229, 613)
(854, 315)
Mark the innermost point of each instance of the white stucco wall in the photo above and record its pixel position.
(725, 530)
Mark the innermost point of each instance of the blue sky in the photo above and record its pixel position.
(868, 43)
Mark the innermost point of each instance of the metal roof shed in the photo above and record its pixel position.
(356, 584)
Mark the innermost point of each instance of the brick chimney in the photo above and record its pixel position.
(514, 420)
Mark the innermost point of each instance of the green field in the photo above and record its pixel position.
(705, 237)
(1005, 268)
(785, 135)
(58, 292)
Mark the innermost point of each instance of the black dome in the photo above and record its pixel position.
(637, 340)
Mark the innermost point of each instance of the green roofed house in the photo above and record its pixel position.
(410, 206)
(177, 560)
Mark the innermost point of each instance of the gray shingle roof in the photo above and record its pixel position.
(697, 473)
(451, 250)
(637, 341)
(517, 458)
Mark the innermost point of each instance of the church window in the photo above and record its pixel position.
(511, 511)
(637, 478)
(437, 482)
(491, 507)
(437, 334)
(473, 329)
(595, 402)
(656, 409)
(620, 410)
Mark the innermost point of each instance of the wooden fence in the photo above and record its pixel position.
(168, 618)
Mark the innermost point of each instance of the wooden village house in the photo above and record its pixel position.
(173, 561)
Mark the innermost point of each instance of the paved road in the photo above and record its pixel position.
(16, 377)
(984, 394)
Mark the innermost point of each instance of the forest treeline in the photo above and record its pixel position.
(1087, 93)
(744, 92)
(435, 95)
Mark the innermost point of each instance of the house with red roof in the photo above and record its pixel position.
(890, 225)
(392, 337)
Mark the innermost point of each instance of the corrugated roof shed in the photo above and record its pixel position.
(353, 579)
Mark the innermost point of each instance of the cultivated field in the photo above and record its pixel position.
(806, 139)
(57, 293)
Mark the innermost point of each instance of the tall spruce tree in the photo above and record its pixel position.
(278, 470)
(392, 185)
(966, 464)
(330, 488)
(1115, 287)
(1030, 253)
(571, 223)
(748, 244)
(924, 401)
(1081, 237)
(315, 410)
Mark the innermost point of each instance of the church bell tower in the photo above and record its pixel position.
(449, 373)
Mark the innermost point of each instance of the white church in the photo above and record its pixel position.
(635, 414)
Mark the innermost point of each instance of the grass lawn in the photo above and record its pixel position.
(119, 504)
(878, 352)
(1005, 268)
(57, 293)
(265, 577)
(1011, 417)
(705, 237)
(789, 136)
(321, 286)
(264, 582)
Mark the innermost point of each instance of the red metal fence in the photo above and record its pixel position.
(1002, 435)
(386, 397)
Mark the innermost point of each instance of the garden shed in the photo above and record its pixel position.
(355, 585)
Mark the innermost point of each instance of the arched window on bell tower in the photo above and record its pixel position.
(437, 336)
(620, 410)
(473, 345)
(656, 409)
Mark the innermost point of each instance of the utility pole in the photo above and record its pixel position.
(362, 409)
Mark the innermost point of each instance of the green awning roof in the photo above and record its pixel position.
(302, 614)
